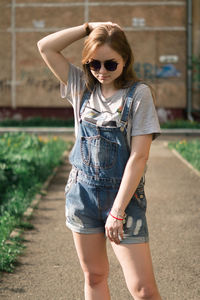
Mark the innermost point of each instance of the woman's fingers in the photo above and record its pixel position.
(115, 234)
(121, 235)
(93, 25)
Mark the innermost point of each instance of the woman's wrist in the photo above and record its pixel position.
(87, 28)
(119, 218)
(118, 212)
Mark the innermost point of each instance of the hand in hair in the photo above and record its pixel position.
(93, 25)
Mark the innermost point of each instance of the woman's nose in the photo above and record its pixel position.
(102, 69)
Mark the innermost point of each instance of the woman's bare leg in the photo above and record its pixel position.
(136, 263)
(91, 250)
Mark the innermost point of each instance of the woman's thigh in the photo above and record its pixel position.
(92, 254)
(136, 263)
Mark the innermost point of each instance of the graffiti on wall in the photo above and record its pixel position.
(4, 85)
(151, 71)
(40, 79)
(43, 78)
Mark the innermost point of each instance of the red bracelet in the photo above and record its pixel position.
(116, 217)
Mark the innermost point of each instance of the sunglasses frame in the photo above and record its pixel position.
(105, 63)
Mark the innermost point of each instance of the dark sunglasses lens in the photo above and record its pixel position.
(110, 65)
(95, 65)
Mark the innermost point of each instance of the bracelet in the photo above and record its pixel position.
(116, 217)
(87, 28)
(118, 214)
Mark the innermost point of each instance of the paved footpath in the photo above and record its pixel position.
(49, 269)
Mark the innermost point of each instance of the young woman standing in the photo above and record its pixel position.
(115, 123)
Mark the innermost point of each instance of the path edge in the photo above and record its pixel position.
(178, 155)
(36, 200)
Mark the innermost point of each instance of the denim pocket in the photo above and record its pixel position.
(140, 197)
(98, 152)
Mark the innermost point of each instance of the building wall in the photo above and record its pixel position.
(196, 55)
(156, 31)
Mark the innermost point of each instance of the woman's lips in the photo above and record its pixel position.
(103, 77)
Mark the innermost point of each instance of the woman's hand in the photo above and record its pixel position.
(93, 25)
(114, 229)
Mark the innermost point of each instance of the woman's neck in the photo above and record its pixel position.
(108, 90)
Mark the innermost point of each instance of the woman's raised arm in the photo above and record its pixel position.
(50, 48)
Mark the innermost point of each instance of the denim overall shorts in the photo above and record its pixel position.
(98, 160)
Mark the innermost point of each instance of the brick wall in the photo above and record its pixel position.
(156, 31)
(196, 55)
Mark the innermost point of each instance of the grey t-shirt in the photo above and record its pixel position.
(143, 118)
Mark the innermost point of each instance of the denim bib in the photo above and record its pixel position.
(100, 153)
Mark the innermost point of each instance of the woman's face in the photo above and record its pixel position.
(105, 54)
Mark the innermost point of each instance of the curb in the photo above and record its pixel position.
(178, 155)
(39, 130)
(70, 130)
(29, 211)
(175, 152)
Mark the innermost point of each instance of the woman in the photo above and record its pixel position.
(115, 122)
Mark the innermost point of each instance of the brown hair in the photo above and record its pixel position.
(116, 39)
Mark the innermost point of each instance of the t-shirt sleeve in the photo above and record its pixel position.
(75, 85)
(144, 115)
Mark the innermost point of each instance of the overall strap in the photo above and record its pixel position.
(84, 100)
(127, 105)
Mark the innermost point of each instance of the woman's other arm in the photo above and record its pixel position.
(140, 147)
(133, 172)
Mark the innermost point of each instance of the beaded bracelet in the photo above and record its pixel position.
(116, 217)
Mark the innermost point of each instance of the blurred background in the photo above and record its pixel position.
(164, 36)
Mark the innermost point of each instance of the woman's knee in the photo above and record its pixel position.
(95, 278)
(144, 291)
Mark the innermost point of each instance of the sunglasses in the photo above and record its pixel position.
(109, 65)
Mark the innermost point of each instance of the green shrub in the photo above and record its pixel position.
(25, 163)
(181, 124)
(37, 122)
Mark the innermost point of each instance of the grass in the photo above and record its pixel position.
(37, 122)
(190, 150)
(181, 124)
(25, 163)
